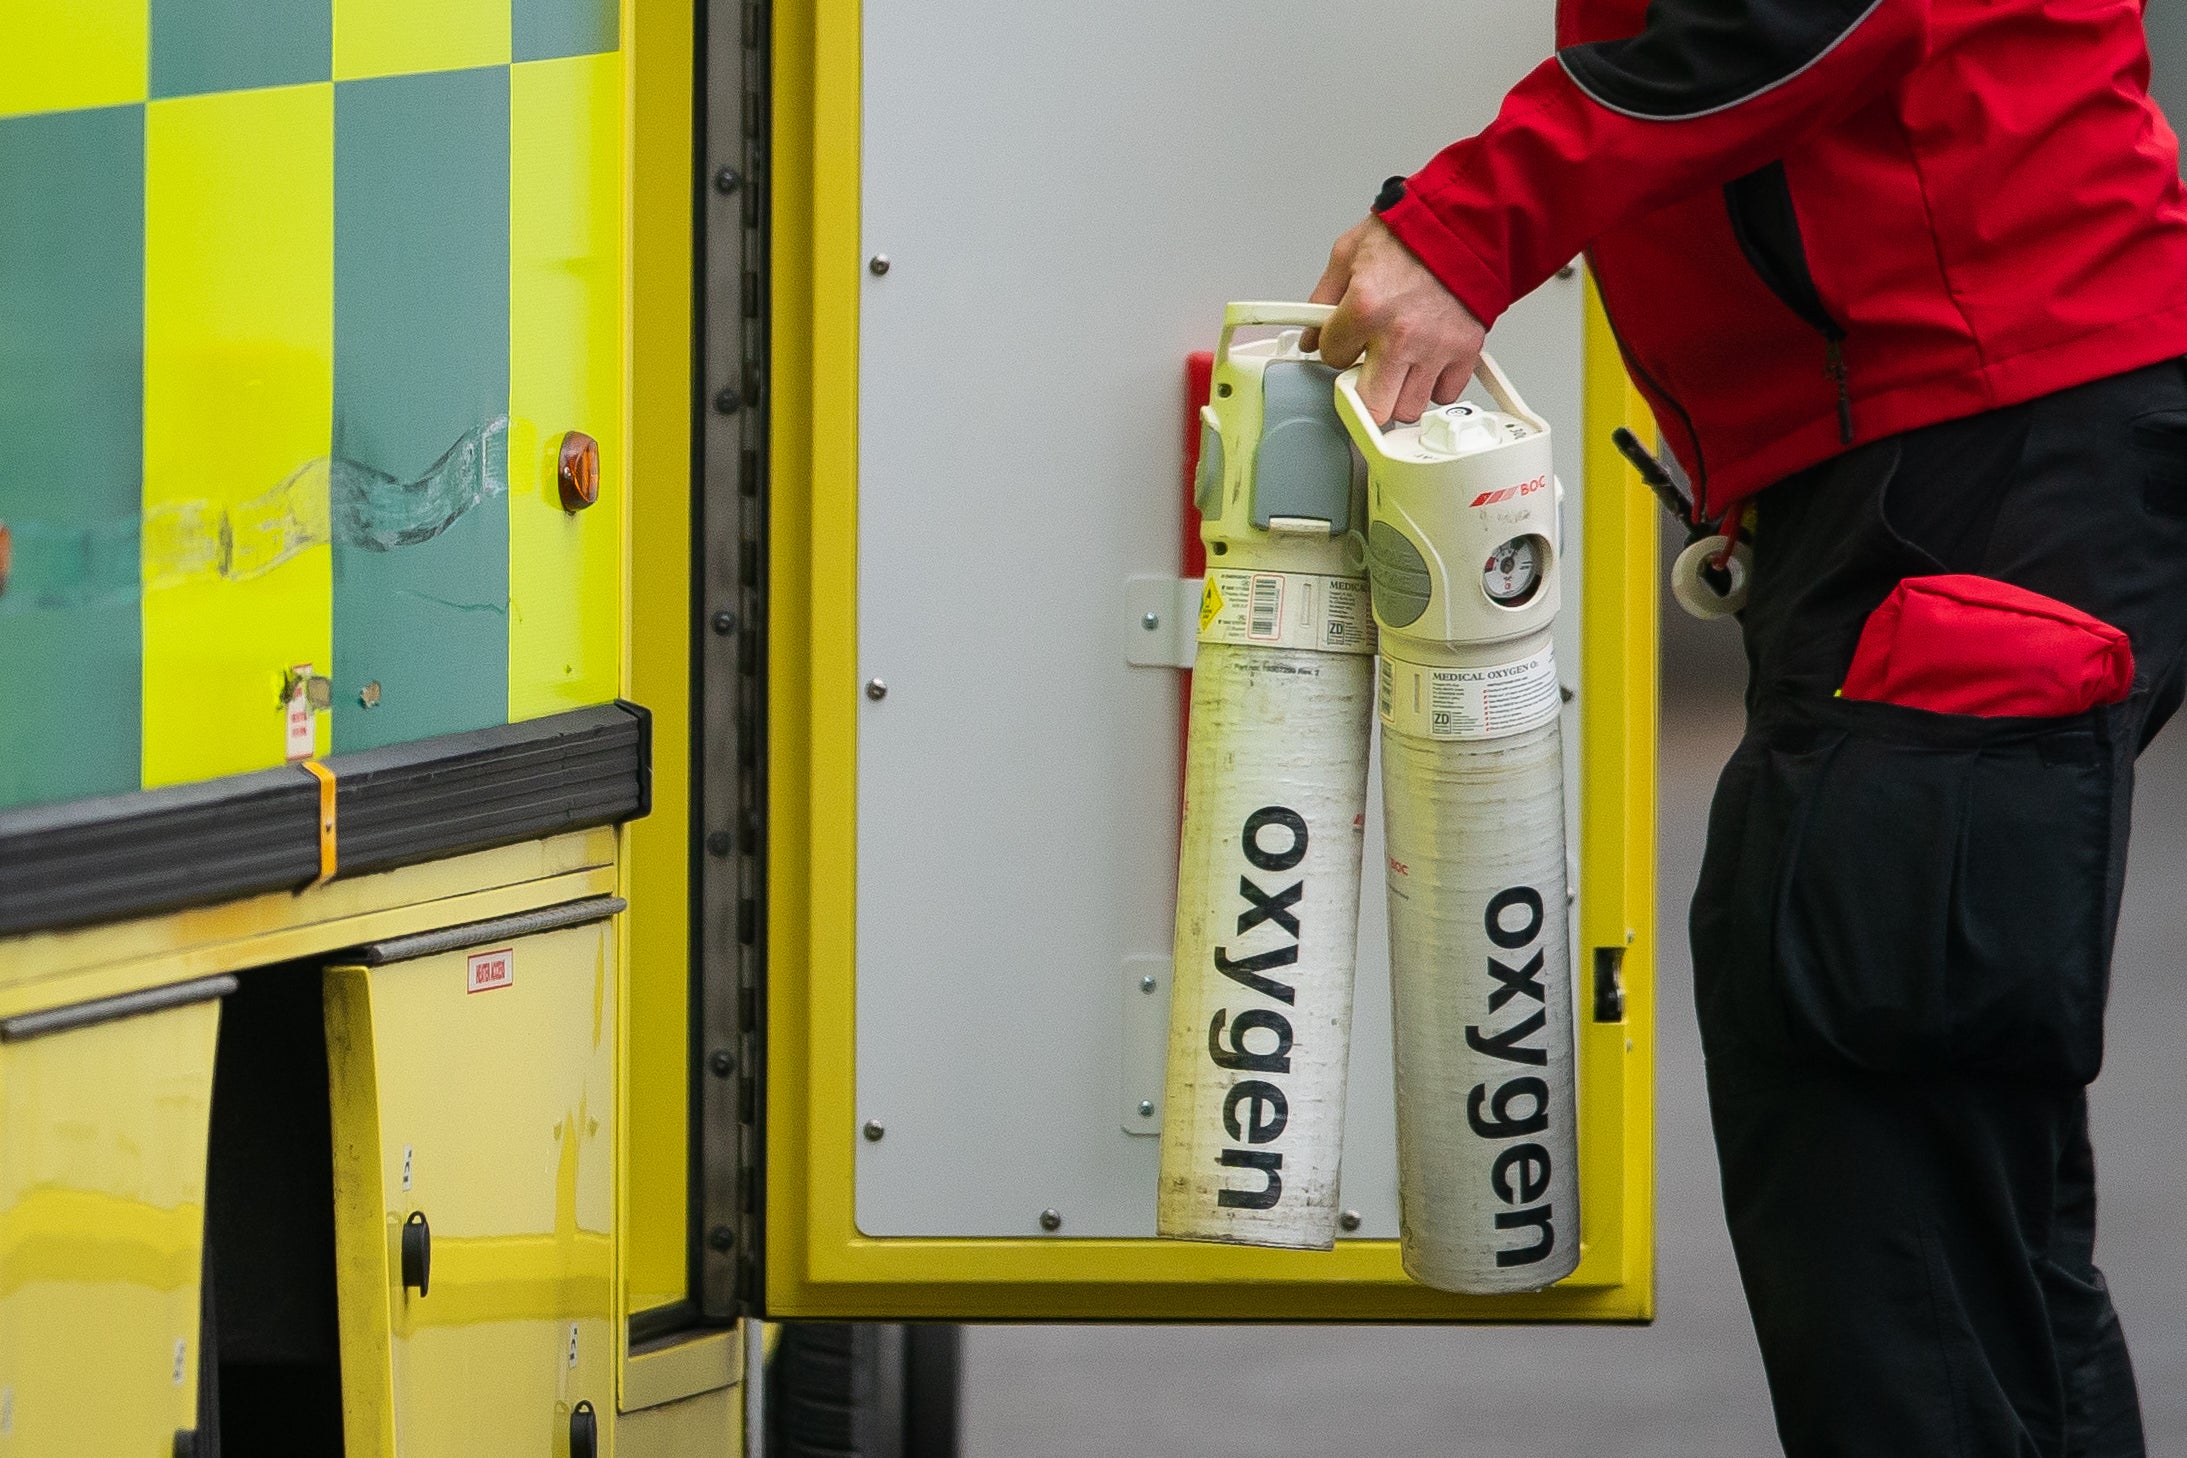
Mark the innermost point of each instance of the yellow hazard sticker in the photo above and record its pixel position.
(1211, 602)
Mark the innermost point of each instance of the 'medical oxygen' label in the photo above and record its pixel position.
(1469, 703)
(1286, 610)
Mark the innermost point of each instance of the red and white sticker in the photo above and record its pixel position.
(489, 970)
(302, 723)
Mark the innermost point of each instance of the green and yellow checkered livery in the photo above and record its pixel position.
(297, 299)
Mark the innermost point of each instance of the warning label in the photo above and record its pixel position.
(1287, 610)
(1470, 703)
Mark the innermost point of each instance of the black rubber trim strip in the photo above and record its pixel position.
(139, 854)
(479, 933)
(112, 1009)
(1699, 57)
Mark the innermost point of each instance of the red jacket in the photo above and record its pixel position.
(1817, 222)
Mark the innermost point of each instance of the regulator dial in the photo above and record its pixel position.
(1513, 571)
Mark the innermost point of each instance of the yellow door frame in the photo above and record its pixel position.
(817, 1263)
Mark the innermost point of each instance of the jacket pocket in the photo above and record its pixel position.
(1767, 228)
(1949, 889)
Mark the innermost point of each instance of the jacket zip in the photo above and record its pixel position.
(1655, 388)
(1768, 232)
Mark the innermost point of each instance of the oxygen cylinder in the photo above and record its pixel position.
(1275, 805)
(1462, 546)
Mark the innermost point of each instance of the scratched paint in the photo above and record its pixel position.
(55, 568)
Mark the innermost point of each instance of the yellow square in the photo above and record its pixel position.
(397, 37)
(238, 421)
(565, 373)
(60, 55)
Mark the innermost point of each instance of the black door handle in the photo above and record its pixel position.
(584, 1432)
(417, 1252)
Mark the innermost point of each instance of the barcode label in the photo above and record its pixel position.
(1286, 610)
(1266, 618)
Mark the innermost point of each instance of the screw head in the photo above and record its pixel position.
(727, 181)
(722, 1062)
(876, 690)
(1051, 1219)
(1151, 621)
(1147, 984)
(878, 264)
(727, 401)
(1349, 1220)
(718, 843)
(1146, 1108)
(725, 622)
(1567, 271)
(722, 1238)
(874, 1131)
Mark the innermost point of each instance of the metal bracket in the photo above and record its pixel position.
(1143, 1070)
(1161, 621)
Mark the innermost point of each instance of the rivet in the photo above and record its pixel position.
(722, 1062)
(1146, 1108)
(876, 690)
(725, 622)
(1051, 1219)
(874, 1131)
(1147, 984)
(1151, 621)
(727, 181)
(879, 264)
(1349, 1220)
(722, 1238)
(727, 402)
(719, 843)
(1567, 271)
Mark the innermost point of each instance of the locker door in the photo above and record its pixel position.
(998, 232)
(103, 1119)
(473, 1094)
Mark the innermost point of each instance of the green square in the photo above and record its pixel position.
(421, 370)
(239, 45)
(71, 477)
(545, 29)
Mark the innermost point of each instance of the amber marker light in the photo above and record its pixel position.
(577, 468)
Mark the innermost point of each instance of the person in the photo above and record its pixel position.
(1905, 284)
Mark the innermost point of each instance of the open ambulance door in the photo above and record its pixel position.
(962, 256)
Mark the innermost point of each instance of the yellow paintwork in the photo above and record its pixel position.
(818, 1265)
(48, 969)
(238, 417)
(69, 53)
(707, 1426)
(565, 373)
(500, 1107)
(102, 1218)
(387, 37)
(657, 46)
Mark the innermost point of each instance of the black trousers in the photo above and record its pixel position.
(1902, 941)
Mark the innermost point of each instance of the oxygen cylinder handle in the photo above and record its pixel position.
(1361, 421)
(1271, 313)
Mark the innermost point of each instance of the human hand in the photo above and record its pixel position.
(1420, 343)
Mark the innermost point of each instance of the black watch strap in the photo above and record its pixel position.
(1393, 192)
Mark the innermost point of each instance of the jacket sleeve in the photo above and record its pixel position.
(1607, 132)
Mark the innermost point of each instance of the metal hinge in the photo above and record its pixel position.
(731, 612)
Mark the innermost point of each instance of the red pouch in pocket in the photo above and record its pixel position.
(1962, 644)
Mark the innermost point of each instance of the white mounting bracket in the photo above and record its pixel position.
(1161, 621)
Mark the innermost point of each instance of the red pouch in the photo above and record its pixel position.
(1962, 644)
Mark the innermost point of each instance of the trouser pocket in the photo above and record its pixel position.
(1941, 891)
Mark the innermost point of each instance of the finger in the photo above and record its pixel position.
(1342, 338)
(1380, 381)
(1412, 397)
(1334, 280)
(1451, 383)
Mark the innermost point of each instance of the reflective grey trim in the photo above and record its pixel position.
(113, 1009)
(1763, 90)
(480, 933)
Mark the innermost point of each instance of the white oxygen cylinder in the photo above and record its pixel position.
(1463, 544)
(1275, 805)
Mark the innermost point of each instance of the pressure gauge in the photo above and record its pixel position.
(1513, 571)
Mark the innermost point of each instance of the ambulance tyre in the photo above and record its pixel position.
(866, 1391)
